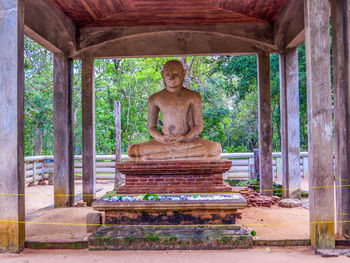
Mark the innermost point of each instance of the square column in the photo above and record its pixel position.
(12, 178)
(265, 124)
(88, 126)
(341, 72)
(290, 124)
(320, 123)
(63, 132)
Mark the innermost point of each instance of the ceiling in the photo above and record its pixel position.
(92, 13)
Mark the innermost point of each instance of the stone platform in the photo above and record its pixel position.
(181, 212)
(174, 176)
(182, 224)
(204, 220)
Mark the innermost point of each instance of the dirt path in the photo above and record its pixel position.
(285, 255)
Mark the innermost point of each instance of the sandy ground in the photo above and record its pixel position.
(67, 224)
(277, 222)
(42, 196)
(259, 254)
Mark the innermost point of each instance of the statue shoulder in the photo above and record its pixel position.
(154, 97)
(193, 94)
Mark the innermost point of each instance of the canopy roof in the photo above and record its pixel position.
(127, 28)
(85, 13)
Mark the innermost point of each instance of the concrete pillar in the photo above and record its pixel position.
(290, 124)
(341, 71)
(12, 177)
(88, 126)
(320, 123)
(265, 124)
(63, 132)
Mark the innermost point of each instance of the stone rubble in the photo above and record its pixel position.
(254, 198)
(333, 252)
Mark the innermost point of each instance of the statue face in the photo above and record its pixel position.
(173, 76)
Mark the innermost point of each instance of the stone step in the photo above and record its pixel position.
(169, 237)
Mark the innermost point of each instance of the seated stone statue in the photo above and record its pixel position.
(183, 122)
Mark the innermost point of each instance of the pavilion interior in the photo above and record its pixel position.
(89, 29)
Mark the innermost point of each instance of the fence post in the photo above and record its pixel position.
(279, 169)
(250, 166)
(256, 164)
(306, 167)
(42, 174)
(118, 139)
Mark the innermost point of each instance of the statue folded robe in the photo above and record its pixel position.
(152, 150)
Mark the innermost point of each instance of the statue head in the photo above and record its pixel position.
(173, 75)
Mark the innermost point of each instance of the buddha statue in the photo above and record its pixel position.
(183, 122)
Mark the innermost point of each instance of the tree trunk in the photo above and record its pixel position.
(38, 146)
(186, 67)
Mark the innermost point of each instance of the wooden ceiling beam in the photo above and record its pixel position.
(260, 34)
(289, 25)
(171, 43)
(49, 27)
(89, 9)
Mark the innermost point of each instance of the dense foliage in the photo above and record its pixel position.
(228, 85)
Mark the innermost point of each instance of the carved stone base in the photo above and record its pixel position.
(182, 224)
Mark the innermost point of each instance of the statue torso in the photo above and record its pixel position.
(176, 108)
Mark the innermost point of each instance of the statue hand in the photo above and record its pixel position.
(175, 138)
(180, 138)
(165, 139)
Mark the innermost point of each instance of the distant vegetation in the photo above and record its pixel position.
(228, 85)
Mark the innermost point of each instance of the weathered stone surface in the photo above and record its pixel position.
(88, 131)
(341, 71)
(289, 203)
(171, 237)
(63, 132)
(174, 167)
(93, 221)
(181, 109)
(290, 124)
(174, 176)
(12, 178)
(57, 245)
(284, 242)
(80, 204)
(265, 124)
(332, 252)
(188, 217)
(319, 95)
(255, 199)
(237, 202)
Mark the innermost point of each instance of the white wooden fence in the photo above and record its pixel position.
(39, 168)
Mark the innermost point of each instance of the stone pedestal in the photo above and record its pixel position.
(173, 212)
(181, 224)
(174, 176)
(172, 221)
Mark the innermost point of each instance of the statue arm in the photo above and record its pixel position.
(197, 119)
(153, 113)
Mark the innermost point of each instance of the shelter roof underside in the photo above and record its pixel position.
(168, 12)
(108, 28)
